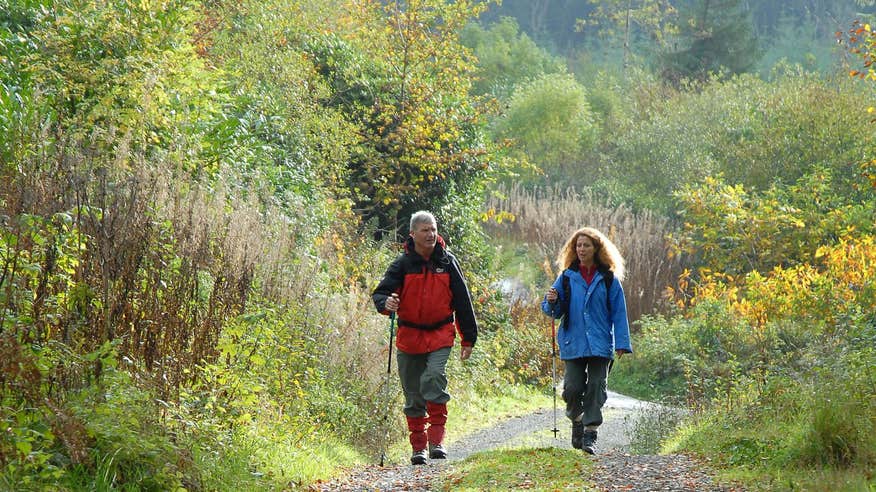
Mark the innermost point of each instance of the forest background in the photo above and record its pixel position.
(198, 197)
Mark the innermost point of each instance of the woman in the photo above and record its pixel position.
(590, 300)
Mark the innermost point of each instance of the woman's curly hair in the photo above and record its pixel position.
(606, 254)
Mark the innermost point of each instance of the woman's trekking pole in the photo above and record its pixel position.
(387, 393)
(554, 370)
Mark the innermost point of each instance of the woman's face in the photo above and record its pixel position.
(585, 249)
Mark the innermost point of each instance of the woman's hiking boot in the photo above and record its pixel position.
(577, 433)
(588, 442)
(437, 452)
(419, 457)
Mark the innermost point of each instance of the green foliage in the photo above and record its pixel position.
(550, 122)
(40, 257)
(777, 366)
(520, 347)
(276, 124)
(105, 435)
(419, 132)
(788, 432)
(19, 122)
(694, 357)
(118, 69)
(840, 410)
(640, 28)
(506, 57)
(131, 449)
(734, 231)
(753, 132)
(716, 36)
(798, 41)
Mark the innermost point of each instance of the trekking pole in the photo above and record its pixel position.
(554, 370)
(386, 390)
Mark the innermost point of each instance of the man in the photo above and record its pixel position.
(425, 287)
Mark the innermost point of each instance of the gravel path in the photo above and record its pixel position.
(615, 468)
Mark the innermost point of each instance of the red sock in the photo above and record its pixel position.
(417, 429)
(437, 419)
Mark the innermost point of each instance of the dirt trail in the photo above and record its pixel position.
(615, 468)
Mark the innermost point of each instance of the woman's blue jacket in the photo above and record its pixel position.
(588, 329)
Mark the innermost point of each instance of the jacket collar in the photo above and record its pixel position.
(438, 252)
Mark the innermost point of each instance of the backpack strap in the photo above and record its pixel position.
(608, 279)
(567, 291)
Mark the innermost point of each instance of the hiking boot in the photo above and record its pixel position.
(588, 442)
(437, 452)
(577, 433)
(419, 457)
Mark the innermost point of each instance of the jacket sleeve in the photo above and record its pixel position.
(392, 281)
(619, 317)
(466, 322)
(555, 310)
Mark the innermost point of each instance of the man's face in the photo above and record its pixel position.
(425, 235)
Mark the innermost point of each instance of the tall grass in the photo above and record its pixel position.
(544, 218)
(126, 263)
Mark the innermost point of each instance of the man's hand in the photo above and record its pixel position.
(392, 303)
(464, 352)
(620, 352)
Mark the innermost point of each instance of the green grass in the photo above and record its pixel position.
(772, 479)
(271, 457)
(765, 447)
(470, 413)
(519, 469)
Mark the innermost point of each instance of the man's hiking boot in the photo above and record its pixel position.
(419, 457)
(588, 442)
(437, 452)
(577, 433)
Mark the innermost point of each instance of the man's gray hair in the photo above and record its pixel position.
(422, 217)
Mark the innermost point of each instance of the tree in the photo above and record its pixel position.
(506, 57)
(651, 19)
(862, 42)
(550, 122)
(420, 132)
(715, 36)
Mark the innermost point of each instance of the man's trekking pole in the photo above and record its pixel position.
(386, 389)
(554, 370)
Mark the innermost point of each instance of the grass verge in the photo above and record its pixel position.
(518, 469)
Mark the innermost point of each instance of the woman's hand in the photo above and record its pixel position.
(551, 295)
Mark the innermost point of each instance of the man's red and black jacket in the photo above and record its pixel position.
(434, 300)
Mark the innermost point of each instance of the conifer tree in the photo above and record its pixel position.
(715, 36)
